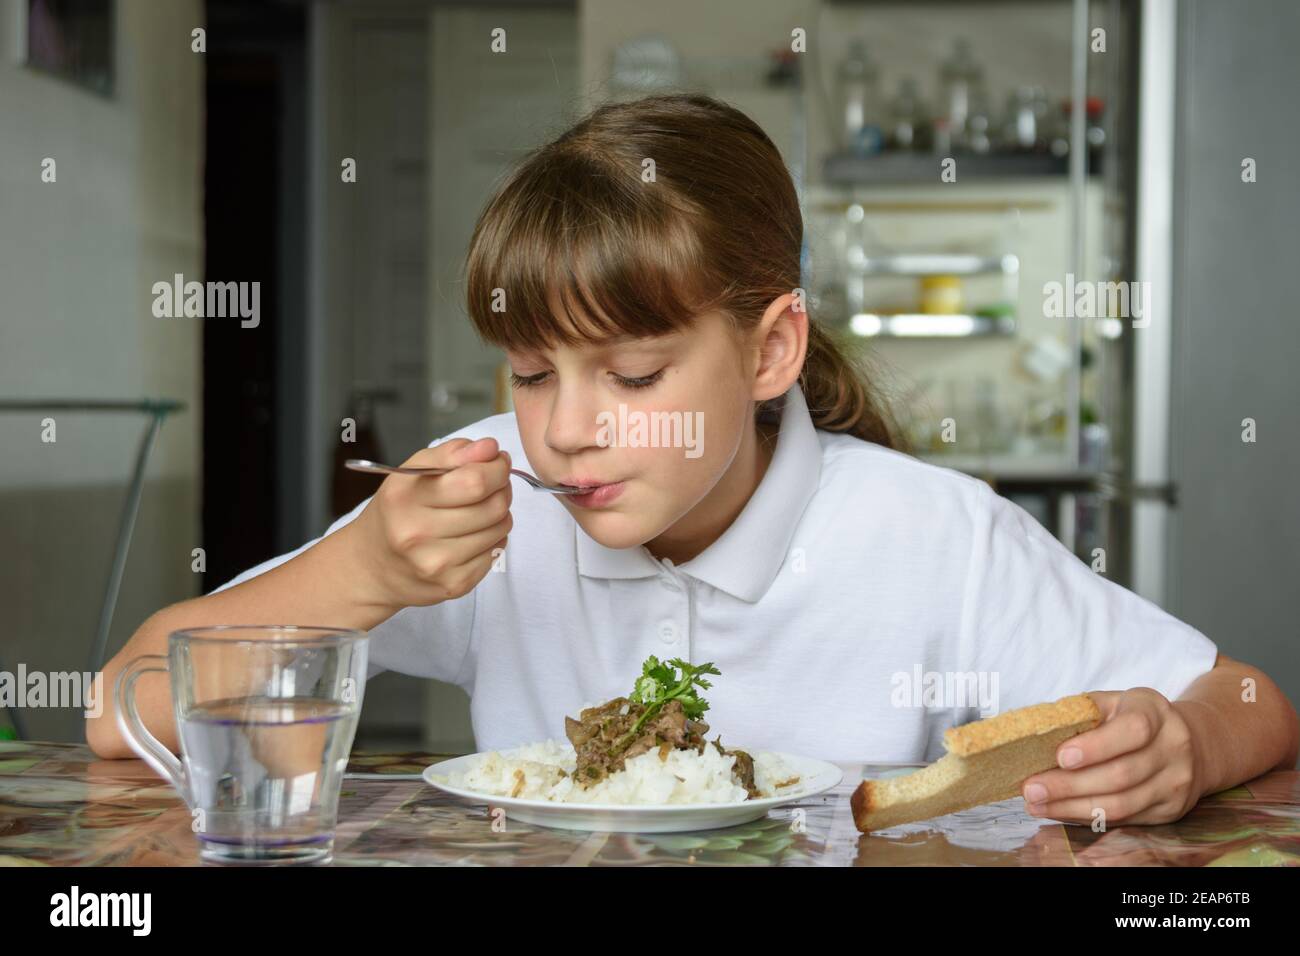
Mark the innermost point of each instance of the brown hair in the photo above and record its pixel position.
(721, 230)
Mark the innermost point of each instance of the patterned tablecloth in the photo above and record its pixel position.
(62, 806)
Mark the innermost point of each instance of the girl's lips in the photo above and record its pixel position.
(601, 495)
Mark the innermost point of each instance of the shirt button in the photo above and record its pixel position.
(668, 632)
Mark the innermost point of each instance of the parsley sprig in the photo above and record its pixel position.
(661, 682)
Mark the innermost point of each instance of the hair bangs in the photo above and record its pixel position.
(576, 256)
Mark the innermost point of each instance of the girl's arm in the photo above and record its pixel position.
(323, 585)
(1242, 723)
(417, 542)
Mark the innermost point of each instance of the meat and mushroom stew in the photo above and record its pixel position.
(662, 713)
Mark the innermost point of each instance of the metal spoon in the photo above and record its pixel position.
(375, 468)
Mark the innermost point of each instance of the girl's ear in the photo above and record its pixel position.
(782, 336)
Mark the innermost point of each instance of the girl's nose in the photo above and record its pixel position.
(574, 422)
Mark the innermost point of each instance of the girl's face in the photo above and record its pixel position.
(652, 424)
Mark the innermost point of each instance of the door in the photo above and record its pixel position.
(488, 109)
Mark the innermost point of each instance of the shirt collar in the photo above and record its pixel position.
(745, 559)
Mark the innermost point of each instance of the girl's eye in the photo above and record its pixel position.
(644, 381)
(524, 381)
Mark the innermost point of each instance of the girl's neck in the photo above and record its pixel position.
(713, 515)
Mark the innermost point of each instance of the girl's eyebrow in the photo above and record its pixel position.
(631, 349)
(610, 343)
(650, 340)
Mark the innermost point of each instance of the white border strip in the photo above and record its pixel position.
(1154, 263)
(1078, 227)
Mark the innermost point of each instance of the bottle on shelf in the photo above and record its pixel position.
(857, 87)
(1024, 128)
(908, 120)
(962, 83)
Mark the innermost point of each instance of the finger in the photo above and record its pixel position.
(467, 548)
(1126, 806)
(468, 484)
(460, 455)
(1111, 776)
(464, 577)
(481, 564)
(1130, 725)
(453, 452)
(1106, 701)
(448, 523)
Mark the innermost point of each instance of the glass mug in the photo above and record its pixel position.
(266, 717)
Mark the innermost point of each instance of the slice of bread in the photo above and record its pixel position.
(987, 760)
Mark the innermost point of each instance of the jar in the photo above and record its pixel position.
(941, 295)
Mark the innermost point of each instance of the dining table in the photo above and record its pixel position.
(61, 805)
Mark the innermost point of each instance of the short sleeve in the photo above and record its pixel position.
(421, 641)
(270, 563)
(1048, 626)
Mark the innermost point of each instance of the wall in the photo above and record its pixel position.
(77, 261)
(1236, 531)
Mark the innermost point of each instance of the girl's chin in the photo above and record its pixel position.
(614, 529)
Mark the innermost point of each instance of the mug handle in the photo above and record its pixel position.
(134, 731)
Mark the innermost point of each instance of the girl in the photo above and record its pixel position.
(747, 505)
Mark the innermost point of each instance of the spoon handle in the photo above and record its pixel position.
(375, 468)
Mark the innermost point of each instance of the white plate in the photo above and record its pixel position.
(816, 776)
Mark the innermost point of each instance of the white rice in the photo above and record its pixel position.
(533, 772)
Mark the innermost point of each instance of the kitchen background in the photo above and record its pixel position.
(1098, 141)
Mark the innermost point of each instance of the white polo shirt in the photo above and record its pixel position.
(863, 602)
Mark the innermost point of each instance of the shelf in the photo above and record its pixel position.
(888, 168)
(926, 264)
(1012, 469)
(919, 325)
